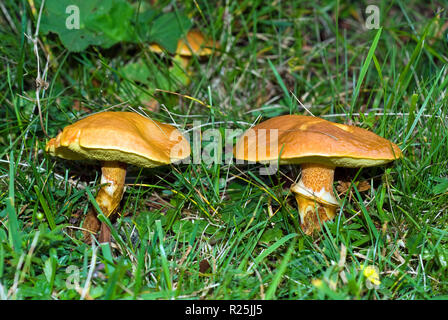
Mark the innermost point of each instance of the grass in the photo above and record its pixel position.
(222, 231)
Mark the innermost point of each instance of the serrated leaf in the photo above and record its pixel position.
(101, 22)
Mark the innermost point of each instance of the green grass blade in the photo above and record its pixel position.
(13, 225)
(423, 107)
(364, 69)
(165, 267)
(281, 270)
(273, 247)
(48, 213)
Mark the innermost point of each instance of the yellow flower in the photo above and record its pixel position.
(372, 275)
(317, 283)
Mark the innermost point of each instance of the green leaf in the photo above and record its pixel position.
(146, 219)
(48, 270)
(272, 234)
(101, 22)
(442, 187)
(137, 71)
(187, 229)
(107, 22)
(166, 30)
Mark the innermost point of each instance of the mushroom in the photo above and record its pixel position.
(194, 44)
(319, 146)
(117, 139)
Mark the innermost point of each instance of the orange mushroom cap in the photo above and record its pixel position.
(195, 43)
(306, 139)
(120, 136)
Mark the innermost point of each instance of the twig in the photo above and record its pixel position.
(8, 17)
(86, 289)
(41, 84)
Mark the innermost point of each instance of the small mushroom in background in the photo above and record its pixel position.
(117, 139)
(318, 146)
(194, 44)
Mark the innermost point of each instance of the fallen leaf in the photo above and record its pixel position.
(204, 266)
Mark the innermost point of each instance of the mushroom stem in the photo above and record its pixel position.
(108, 197)
(314, 194)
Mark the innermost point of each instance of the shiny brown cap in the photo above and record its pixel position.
(120, 136)
(306, 139)
(199, 44)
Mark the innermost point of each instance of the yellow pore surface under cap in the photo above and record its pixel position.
(296, 139)
(120, 136)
